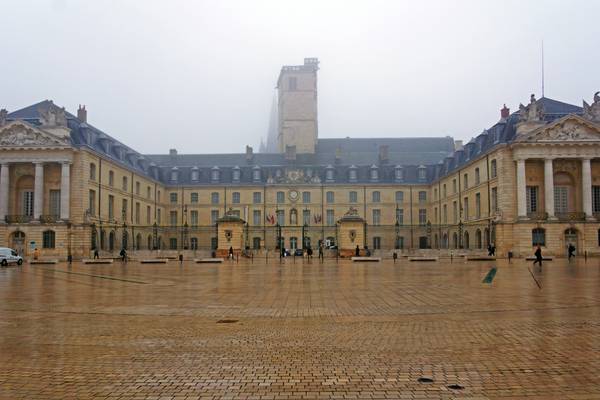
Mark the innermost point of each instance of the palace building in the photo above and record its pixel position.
(532, 178)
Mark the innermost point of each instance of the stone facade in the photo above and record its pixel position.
(533, 177)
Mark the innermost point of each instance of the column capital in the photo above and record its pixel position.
(586, 159)
(550, 158)
(38, 162)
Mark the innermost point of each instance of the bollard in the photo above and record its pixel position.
(451, 257)
(510, 256)
(237, 259)
(585, 255)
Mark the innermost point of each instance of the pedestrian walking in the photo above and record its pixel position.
(36, 253)
(230, 252)
(571, 251)
(123, 254)
(538, 256)
(357, 252)
(96, 254)
(321, 252)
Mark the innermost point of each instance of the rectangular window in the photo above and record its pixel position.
(493, 169)
(422, 216)
(444, 190)
(538, 237)
(435, 215)
(532, 199)
(330, 197)
(28, 203)
(478, 205)
(55, 203)
(466, 181)
(256, 217)
(194, 197)
(455, 209)
(111, 207)
(466, 208)
(137, 212)
(292, 83)
(376, 243)
(330, 218)
(137, 188)
(306, 197)
(596, 199)
(149, 192)
(214, 216)
(353, 197)
(257, 197)
(173, 218)
(173, 197)
(280, 197)
(92, 203)
(124, 209)
(194, 217)
(111, 178)
(445, 214)
(435, 194)
(422, 196)
(454, 186)
(376, 197)
(125, 183)
(148, 215)
(306, 217)
(281, 217)
(399, 197)
(376, 217)
(214, 198)
(159, 216)
(400, 216)
(235, 198)
(173, 243)
(494, 199)
(477, 176)
(561, 202)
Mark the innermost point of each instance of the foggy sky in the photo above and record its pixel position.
(199, 76)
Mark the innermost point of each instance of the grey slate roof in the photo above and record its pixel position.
(434, 155)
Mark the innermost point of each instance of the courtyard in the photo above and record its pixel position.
(300, 329)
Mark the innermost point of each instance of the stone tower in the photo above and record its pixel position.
(297, 94)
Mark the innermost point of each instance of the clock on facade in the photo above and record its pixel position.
(293, 195)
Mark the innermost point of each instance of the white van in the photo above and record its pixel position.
(8, 256)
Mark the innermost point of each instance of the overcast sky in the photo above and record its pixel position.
(199, 76)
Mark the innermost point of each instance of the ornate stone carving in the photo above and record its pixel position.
(565, 166)
(352, 211)
(19, 135)
(591, 112)
(569, 131)
(53, 116)
(533, 112)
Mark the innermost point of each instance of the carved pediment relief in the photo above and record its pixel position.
(592, 112)
(569, 129)
(19, 134)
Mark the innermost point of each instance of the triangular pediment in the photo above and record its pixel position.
(571, 128)
(19, 134)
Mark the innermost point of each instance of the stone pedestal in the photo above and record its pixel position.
(230, 234)
(351, 233)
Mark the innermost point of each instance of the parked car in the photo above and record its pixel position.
(9, 256)
(299, 252)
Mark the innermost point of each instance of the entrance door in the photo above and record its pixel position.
(422, 242)
(571, 237)
(18, 242)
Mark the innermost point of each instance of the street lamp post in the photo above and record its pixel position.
(460, 234)
(155, 236)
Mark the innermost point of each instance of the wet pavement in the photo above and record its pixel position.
(300, 330)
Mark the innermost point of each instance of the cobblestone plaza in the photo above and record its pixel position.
(296, 330)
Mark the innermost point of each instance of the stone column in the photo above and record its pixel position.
(521, 190)
(4, 188)
(38, 191)
(549, 187)
(65, 190)
(586, 187)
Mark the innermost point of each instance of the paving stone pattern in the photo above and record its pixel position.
(332, 330)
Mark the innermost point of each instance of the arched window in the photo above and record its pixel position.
(111, 241)
(48, 239)
(138, 241)
(194, 243)
(466, 241)
(149, 245)
(478, 242)
(538, 237)
(493, 169)
(92, 171)
(293, 216)
(455, 240)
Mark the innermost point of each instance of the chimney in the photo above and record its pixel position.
(82, 113)
(172, 152)
(290, 153)
(384, 153)
(249, 153)
(458, 145)
(504, 112)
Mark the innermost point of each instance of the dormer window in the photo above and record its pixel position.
(422, 173)
(329, 176)
(374, 173)
(398, 173)
(256, 173)
(236, 174)
(215, 174)
(195, 174)
(174, 174)
(352, 174)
